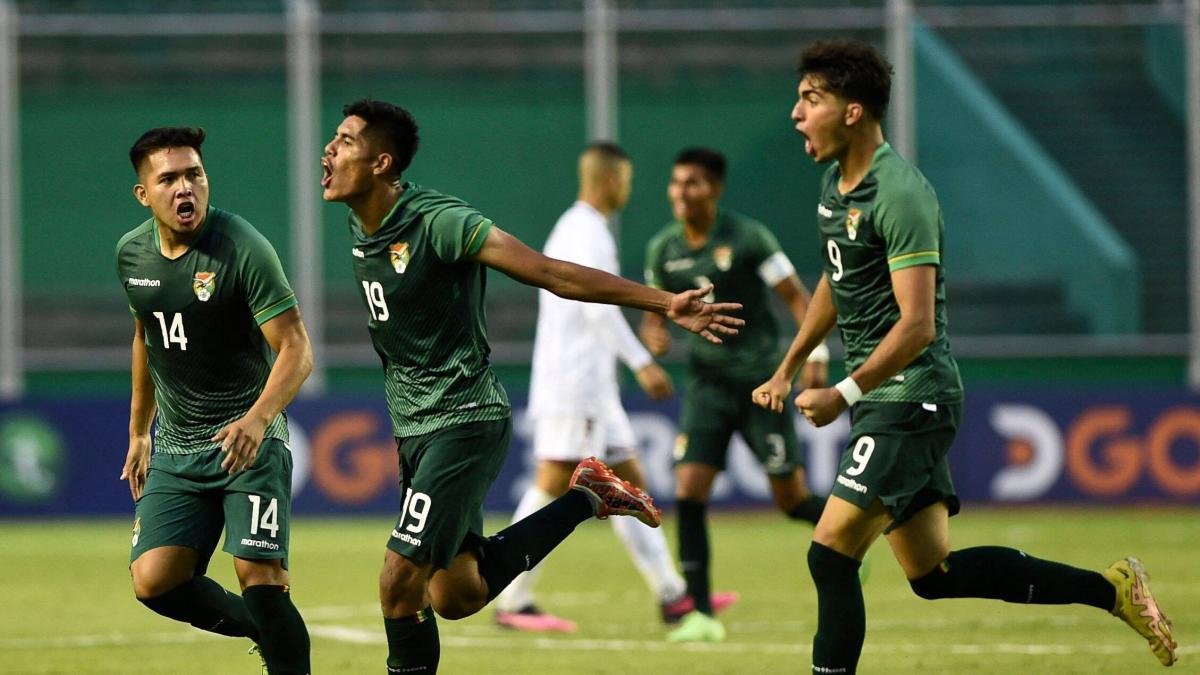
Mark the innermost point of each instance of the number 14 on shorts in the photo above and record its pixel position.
(267, 520)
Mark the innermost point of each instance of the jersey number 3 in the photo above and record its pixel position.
(174, 333)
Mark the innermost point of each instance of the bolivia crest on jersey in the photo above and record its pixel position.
(723, 257)
(400, 256)
(852, 223)
(137, 531)
(203, 285)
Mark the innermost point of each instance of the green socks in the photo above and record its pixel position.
(205, 604)
(283, 637)
(413, 645)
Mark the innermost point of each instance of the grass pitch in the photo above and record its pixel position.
(68, 608)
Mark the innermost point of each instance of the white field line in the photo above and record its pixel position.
(483, 637)
(361, 636)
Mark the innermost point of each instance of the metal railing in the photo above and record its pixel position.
(599, 22)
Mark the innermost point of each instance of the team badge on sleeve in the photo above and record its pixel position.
(723, 257)
(203, 285)
(852, 223)
(400, 256)
(137, 530)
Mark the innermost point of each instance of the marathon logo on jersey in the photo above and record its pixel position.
(203, 285)
(149, 283)
(723, 257)
(400, 256)
(259, 543)
(678, 264)
(406, 538)
(358, 253)
(824, 211)
(852, 484)
(852, 223)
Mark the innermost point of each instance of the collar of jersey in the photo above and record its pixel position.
(394, 222)
(868, 179)
(720, 223)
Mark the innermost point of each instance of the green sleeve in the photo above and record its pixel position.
(909, 224)
(267, 291)
(654, 270)
(457, 232)
(763, 244)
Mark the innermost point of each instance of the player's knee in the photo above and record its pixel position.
(932, 586)
(454, 607)
(147, 586)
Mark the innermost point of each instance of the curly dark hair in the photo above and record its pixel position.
(165, 137)
(392, 125)
(851, 69)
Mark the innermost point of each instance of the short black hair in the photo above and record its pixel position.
(608, 150)
(392, 125)
(851, 69)
(712, 161)
(166, 137)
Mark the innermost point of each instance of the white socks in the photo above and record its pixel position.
(648, 548)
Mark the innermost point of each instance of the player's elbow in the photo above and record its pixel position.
(921, 331)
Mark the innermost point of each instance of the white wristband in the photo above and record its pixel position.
(819, 354)
(849, 390)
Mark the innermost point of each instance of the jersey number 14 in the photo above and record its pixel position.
(174, 333)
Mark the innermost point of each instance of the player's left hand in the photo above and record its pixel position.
(814, 375)
(705, 318)
(239, 441)
(821, 406)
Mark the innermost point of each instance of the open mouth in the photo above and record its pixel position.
(326, 172)
(186, 211)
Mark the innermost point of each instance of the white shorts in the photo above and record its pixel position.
(568, 438)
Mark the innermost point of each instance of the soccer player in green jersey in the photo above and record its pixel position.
(881, 235)
(420, 258)
(707, 244)
(218, 351)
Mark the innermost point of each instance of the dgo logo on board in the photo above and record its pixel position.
(1103, 450)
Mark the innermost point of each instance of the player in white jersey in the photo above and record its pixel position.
(574, 399)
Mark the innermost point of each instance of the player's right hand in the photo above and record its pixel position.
(771, 394)
(654, 381)
(137, 463)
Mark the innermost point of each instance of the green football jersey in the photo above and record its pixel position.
(424, 297)
(739, 258)
(201, 314)
(890, 221)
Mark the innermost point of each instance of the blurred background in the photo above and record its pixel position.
(1057, 136)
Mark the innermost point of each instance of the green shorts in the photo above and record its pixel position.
(712, 411)
(444, 476)
(897, 454)
(189, 499)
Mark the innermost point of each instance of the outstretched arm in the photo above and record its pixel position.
(506, 253)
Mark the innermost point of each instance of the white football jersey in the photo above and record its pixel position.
(578, 343)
